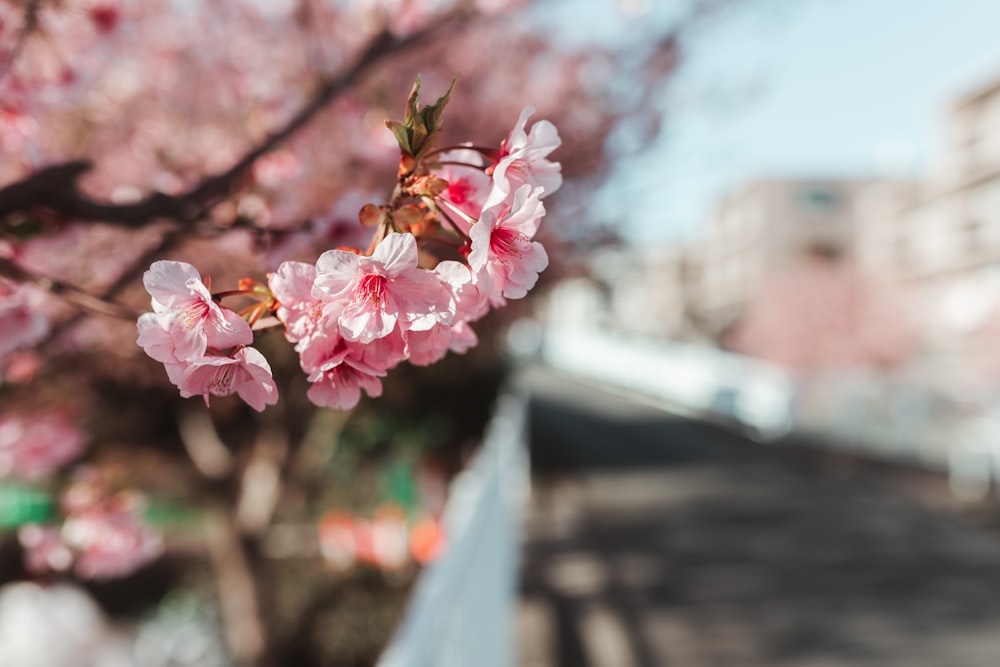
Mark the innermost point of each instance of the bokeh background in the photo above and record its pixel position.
(779, 226)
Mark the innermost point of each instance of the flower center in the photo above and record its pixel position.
(195, 314)
(223, 380)
(506, 241)
(372, 288)
(460, 191)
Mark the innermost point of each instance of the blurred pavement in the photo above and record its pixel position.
(654, 540)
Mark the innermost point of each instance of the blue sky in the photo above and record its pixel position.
(813, 88)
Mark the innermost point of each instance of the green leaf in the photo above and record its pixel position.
(432, 114)
(402, 135)
(411, 104)
(418, 132)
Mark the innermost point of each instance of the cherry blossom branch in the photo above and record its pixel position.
(55, 188)
(68, 292)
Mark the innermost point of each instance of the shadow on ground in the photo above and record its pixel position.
(654, 540)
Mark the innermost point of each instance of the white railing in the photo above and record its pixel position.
(692, 378)
(462, 609)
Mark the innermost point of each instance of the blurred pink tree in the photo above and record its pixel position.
(820, 314)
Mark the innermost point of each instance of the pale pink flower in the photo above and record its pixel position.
(339, 385)
(523, 160)
(339, 369)
(110, 540)
(245, 373)
(505, 258)
(186, 321)
(380, 291)
(44, 551)
(329, 348)
(36, 447)
(298, 309)
(21, 324)
(463, 338)
(428, 345)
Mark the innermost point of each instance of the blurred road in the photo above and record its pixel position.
(657, 541)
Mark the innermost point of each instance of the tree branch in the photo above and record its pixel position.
(68, 292)
(55, 187)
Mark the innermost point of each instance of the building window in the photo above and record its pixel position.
(818, 200)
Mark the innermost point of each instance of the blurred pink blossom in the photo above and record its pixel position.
(21, 324)
(110, 540)
(35, 447)
(44, 551)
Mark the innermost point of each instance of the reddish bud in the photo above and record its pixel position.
(371, 215)
(408, 216)
(105, 18)
(426, 186)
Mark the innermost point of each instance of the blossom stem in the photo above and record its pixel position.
(451, 221)
(253, 313)
(455, 163)
(68, 292)
(485, 151)
(218, 296)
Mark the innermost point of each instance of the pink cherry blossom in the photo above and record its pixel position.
(430, 344)
(245, 373)
(44, 551)
(380, 291)
(110, 540)
(34, 448)
(339, 386)
(186, 321)
(339, 369)
(424, 348)
(21, 324)
(523, 160)
(298, 309)
(506, 260)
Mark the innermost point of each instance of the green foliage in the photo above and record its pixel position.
(419, 131)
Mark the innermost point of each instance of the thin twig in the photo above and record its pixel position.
(68, 292)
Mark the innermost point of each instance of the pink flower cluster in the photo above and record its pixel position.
(201, 343)
(353, 316)
(34, 448)
(103, 534)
